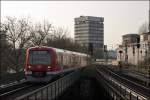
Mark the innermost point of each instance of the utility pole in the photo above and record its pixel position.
(90, 49)
(141, 54)
(133, 53)
(126, 53)
(120, 62)
(106, 55)
(138, 47)
(149, 19)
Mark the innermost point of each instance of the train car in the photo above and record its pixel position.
(44, 63)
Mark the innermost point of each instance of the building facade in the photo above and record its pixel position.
(130, 39)
(145, 46)
(89, 30)
(131, 52)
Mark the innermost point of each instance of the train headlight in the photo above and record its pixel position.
(29, 67)
(49, 67)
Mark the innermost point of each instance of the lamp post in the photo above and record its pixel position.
(138, 47)
(146, 57)
(149, 57)
(146, 62)
(120, 52)
(133, 53)
(138, 57)
(106, 56)
(141, 57)
(120, 63)
(126, 55)
(90, 49)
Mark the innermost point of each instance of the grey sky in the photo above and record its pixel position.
(119, 17)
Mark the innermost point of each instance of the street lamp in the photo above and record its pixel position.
(126, 50)
(120, 52)
(120, 62)
(106, 56)
(138, 47)
(133, 53)
(141, 56)
(146, 57)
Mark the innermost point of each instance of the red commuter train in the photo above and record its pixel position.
(43, 63)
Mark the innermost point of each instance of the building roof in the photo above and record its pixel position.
(131, 35)
(146, 33)
(91, 18)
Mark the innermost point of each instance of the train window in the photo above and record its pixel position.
(58, 58)
(39, 57)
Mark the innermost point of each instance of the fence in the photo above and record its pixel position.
(53, 90)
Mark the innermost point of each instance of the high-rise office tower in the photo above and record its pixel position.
(89, 30)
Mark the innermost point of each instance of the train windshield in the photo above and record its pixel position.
(39, 57)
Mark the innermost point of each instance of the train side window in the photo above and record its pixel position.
(58, 58)
(70, 59)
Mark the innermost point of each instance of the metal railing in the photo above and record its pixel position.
(53, 90)
(116, 89)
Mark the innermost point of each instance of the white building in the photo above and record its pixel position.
(120, 53)
(145, 46)
(131, 53)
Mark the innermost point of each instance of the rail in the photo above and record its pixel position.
(13, 86)
(118, 86)
(54, 89)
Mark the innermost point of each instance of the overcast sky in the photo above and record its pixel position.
(120, 17)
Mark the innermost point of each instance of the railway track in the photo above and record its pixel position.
(137, 88)
(126, 76)
(8, 93)
(5, 93)
(22, 89)
(12, 86)
(13, 91)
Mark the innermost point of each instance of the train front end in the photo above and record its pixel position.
(39, 63)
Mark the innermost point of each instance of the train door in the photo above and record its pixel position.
(61, 60)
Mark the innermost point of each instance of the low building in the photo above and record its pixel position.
(135, 48)
(145, 46)
(130, 39)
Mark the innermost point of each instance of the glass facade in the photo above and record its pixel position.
(88, 30)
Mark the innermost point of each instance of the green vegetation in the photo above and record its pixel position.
(89, 71)
(141, 69)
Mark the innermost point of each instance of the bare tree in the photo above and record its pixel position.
(22, 34)
(40, 33)
(59, 33)
(4, 49)
(58, 37)
(18, 34)
(143, 28)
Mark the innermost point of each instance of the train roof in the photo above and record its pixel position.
(59, 50)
